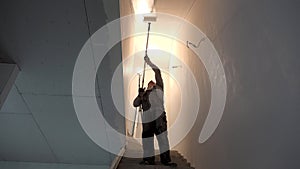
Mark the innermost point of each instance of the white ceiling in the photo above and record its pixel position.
(175, 7)
(38, 122)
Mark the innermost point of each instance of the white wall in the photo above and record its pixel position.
(257, 43)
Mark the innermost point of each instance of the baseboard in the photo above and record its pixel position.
(117, 159)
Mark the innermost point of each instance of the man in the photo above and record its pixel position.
(154, 119)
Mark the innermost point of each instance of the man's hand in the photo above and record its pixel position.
(141, 91)
(147, 59)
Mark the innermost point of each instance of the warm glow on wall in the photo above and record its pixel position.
(155, 42)
(142, 6)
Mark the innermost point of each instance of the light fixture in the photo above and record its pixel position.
(143, 6)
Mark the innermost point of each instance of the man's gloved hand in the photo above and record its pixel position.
(141, 91)
(147, 59)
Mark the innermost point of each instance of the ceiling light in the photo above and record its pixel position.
(142, 6)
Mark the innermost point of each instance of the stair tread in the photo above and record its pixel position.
(157, 166)
(137, 160)
(133, 163)
(179, 163)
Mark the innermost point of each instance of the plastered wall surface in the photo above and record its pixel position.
(257, 44)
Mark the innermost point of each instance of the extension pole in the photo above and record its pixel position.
(146, 54)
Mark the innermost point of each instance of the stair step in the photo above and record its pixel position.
(174, 159)
(133, 163)
(157, 166)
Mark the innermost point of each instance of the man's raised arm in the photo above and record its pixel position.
(158, 78)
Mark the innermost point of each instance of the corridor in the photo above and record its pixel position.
(71, 69)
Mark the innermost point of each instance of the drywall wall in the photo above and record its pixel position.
(257, 44)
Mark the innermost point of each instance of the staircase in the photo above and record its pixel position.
(133, 163)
